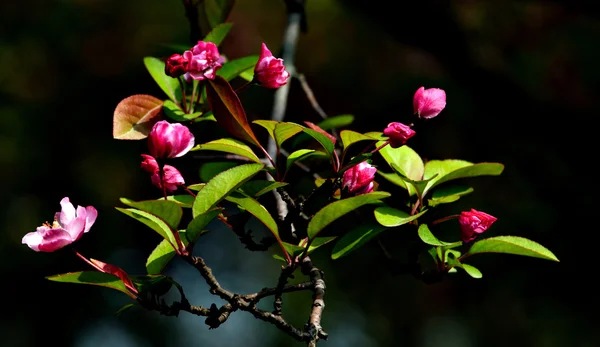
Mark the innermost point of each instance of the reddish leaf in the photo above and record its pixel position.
(318, 128)
(114, 270)
(228, 110)
(134, 117)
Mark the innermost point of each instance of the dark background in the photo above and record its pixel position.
(521, 79)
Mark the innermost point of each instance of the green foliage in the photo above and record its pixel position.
(95, 278)
(232, 146)
(511, 245)
(168, 84)
(355, 238)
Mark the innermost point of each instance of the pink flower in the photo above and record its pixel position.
(270, 71)
(176, 65)
(68, 226)
(359, 178)
(203, 61)
(398, 134)
(172, 178)
(428, 103)
(474, 222)
(168, 140)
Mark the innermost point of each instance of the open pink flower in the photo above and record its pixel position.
(473, 223)
(428, 103)
(398, 134)
(176, 65)
(359, 178)
(270, 71)
(203, 61)
(168, 140)
(68, 226)
(171, 178)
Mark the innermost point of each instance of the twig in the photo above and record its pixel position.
(313, 327)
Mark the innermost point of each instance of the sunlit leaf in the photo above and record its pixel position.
(160, 257)
(95, 278)
(427, 236)
(135, 116)
(298, 155)
(325, 141)
(406, 160)
(511, 245)
(391, 217)
(280, 131)
(155, 223)
(168, 211)
(168, 84)
(226, 145)
(257, 210)
(173, 111)
(182, 200)
(350, 137)
(444, 195)
(355, 238)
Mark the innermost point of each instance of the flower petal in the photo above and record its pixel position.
(90, 218)
(76, 227)
(67, 213)
(47, 240)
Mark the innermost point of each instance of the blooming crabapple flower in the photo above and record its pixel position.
(168, 140)
(172, 178)
(176, 65)
(359, 178)
(428, 103)
(270, 71)
(474, 222)
(203, 61)
(398, 134)
(68, 226)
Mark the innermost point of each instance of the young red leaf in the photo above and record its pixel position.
(134, 117)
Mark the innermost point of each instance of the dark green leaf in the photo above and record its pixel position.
(217, 11)
(339, 121)
(218, 33)
(257, 188)
(236, 67)
(173, 111)
(168, 84)
(355, 239)
(228, 146)
(211, 169)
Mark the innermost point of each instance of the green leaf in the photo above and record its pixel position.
(168, 211)
(221, 185)
(197, 187)
(248, 74)
(211, 169)
(444, 195)
(154, 222)
(511, 245)
(228, 146)
(124, 308)
(280, 131)
(160, 257)
(471, 270)
(218, 33)
(95, 278)
(257, 210)
(350, 137)
(296, 156)
(337, 209)
(394, 178)
(135, 116)
(406, 160)
(197, 226)
(427, 237)
(228, 110)
(391, 217)
(156, 284)
(182, 200)
(217, 11)
(295, 250)
(257, 188)
(173, 111)
(336, 121)
(324, 141)
(236, 67)
(451, 169)
(355, 239)
(168, 84)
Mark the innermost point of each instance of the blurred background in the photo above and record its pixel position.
(521, 79)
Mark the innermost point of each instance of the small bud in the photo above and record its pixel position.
(428, 103)
(270, 71)
(171, 177)
(176, 65)
(359, 179)
(168, 140)
(398, 134)
(473, 223)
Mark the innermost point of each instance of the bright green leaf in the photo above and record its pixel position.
(95, 278)
(182, 200)
(257, 210)
(197, 226)
(323, 140)
(336, 121)
(236, 67)
(406, 160)
(511, 245)
(226, 145)
(391, 217)
(160, 257)
(428, 237)
(444, 195)
(155, 223)
(168, 211)
(472, 270)
(168, 84)
(296, 156)
(350, 137)
(355, 238)
(173, 111)
(451, 169)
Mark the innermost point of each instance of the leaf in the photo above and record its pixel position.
(236, 67)
(228, 110)
(124, 308)
(158, 285)
(445, 195)
(350, 137)
(324, 141)
(296, 250)
(511, 245)
(337, 209)
(427, 237)
(160, 257)
(218, 33)
(391, 217)
(257, 210)
(451, 169)
(173, 111)
(196, 227)
(168, 84)
(135, 116)
(155, 223)
(355, 239)
(280, 131)
(228, 146)
(95, 278)
(182, 200)
(296, 156)
(472, 270)
(211, 169)
(221, 185)
(217, 11)
(406, 160)
(336, 121)
(168, 211)
(257, 188)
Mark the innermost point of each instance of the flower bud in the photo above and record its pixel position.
(171, 177)
(203, 61)
(359, 178)
(176, 65)
(168, 140)
(473, 223)
(398, 134)
(428, 103)
(270, 71)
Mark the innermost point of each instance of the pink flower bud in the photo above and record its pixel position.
(176, 65)
(359, 178)
(474, 222)
(203, 60)
(168, 140)
(428, 103)
(68, 226)
(398, 134)
(171, 177)
(270, 71)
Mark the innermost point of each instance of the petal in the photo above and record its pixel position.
(418, 99)
(47, 240)
(67, 213)
(75, 228)
(90, 218)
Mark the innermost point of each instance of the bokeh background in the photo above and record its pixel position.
(522, 85)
